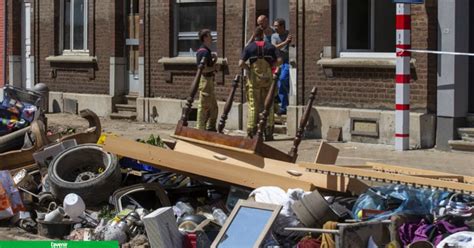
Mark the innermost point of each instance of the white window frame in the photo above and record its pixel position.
(188, 35)
(72, 51)
(342, 50)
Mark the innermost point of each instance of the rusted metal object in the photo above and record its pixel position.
(228, 104)
(194, 89)
(90, 135)
(303, 122)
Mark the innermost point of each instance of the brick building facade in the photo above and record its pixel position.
(102, 54)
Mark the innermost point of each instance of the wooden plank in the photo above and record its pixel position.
(17, 159)
(237, 143)
(414, 171)
(216, 138)
(414, 180)
(208, 143)
(327, 154)
(273, 173)
(253, 160)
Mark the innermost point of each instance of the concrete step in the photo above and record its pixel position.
(466, 132)
(132, 99)
(470, 119)
(124, 116)
(126, 107)
(461, 145)
(467, 138)
(280, 129)
(280, 119)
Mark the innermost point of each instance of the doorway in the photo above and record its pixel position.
(274, 9)
(26, 58)
(132, 45)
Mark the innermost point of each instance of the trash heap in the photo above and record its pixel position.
(81, 192)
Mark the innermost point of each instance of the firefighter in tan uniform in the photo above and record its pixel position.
(207, 108)
(261, 56)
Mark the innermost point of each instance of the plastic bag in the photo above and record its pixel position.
(399, 199)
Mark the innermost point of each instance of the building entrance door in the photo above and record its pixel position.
(132, 45)
(26, 59)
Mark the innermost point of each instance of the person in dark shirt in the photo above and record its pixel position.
(261, 57)
(207, 107)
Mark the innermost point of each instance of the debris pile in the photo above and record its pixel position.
(190, 193)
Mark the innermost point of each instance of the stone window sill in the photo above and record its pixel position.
(82, 59)
(186, 61)
(386, 63)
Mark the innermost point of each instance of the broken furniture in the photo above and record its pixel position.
(254, 145)
(23, 158)
(225, 165)
(247, 225)
(251, 170)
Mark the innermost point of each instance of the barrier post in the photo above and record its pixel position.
(402, 78)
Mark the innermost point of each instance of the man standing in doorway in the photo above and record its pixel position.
(207, 108)
(261, 56)
(262, 22)
(282, 40)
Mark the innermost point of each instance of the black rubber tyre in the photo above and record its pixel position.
(65, 168)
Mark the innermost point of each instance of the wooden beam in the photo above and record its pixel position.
(408, 179)
(417, 172)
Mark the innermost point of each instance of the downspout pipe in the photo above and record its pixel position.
(244, 41)
(5, 41)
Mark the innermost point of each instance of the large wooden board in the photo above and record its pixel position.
(236, 168)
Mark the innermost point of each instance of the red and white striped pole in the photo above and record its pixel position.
(402, 78)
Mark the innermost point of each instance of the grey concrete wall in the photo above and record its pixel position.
(453, 77)
(422, 126)
(100, 104)
(453, 71)
(168, 111)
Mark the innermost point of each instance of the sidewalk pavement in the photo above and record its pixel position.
(350, 153)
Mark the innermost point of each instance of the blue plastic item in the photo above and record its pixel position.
(136, 165)
(399, 199)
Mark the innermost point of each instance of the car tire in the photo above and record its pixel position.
(82, 160)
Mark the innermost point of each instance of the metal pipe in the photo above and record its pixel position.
(315, 230)
(5, 41)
